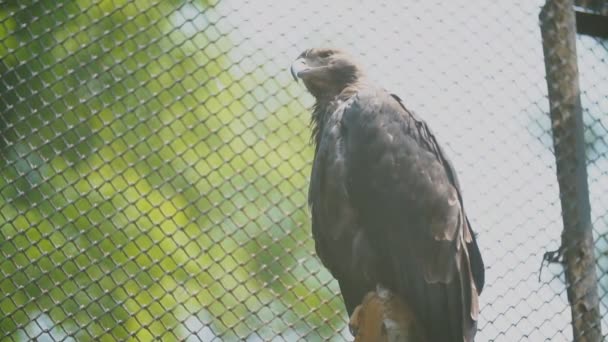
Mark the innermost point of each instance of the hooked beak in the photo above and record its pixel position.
(298, 67)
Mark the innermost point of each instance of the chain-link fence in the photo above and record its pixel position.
(156, 155)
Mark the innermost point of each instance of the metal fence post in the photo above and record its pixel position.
(557, 20)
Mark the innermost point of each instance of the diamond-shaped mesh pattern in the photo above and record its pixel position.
(593, 56)
(155, 158)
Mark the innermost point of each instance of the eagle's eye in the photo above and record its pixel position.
(325, 54)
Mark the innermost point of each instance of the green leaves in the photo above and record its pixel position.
(145, 191)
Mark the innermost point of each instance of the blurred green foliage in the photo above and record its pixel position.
(141, 194)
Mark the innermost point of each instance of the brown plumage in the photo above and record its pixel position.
(385, 201)
(385, 317)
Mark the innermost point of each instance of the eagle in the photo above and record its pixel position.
(385, 201)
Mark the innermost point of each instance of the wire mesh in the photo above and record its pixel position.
(156, 155)
(594, 77)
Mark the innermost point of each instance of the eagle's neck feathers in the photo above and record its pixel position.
(324, 107)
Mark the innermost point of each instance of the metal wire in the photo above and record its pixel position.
(155, 158)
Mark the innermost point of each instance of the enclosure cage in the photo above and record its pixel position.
(155, 158)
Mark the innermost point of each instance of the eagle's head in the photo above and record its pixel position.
(326, 72)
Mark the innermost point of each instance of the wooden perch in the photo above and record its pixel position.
(384, 317)
(557, 21)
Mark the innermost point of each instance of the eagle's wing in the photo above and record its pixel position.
(334, 221)
(472, 248)
(386, 204)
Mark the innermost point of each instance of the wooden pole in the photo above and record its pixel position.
(558, 28)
